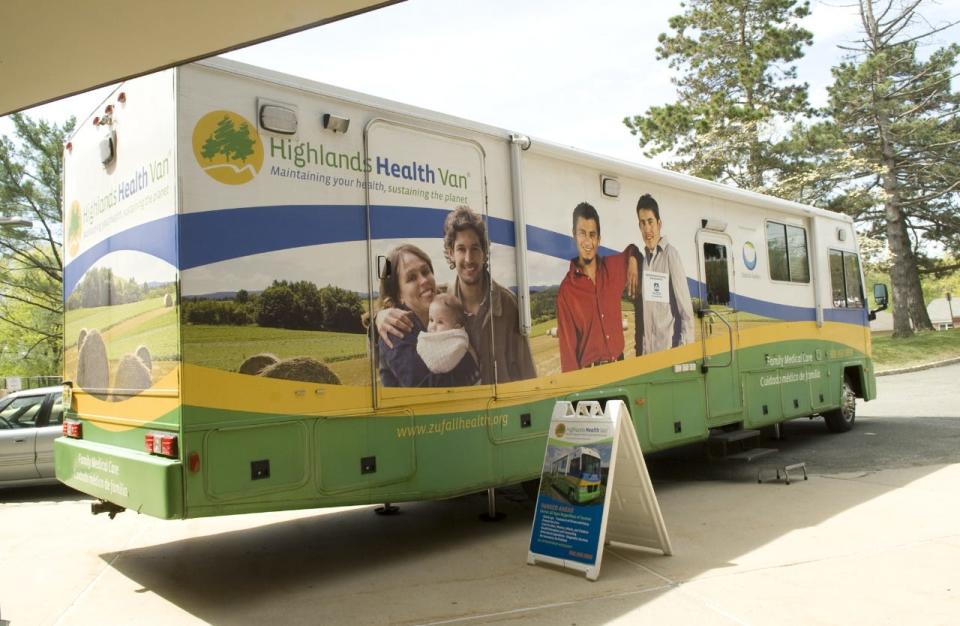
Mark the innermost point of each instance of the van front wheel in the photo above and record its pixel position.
(841, 420)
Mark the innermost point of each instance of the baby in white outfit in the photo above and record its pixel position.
(445, 346)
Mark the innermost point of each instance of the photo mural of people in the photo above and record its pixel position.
(410, 287)
(490, 311)
(664, 311)
(589, 321)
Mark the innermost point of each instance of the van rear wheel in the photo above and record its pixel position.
(841, 420)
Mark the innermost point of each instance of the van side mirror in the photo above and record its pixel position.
(880, 297)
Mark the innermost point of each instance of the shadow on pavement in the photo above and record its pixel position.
(42, 493)
(436, 561)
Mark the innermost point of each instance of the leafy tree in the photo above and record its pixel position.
(226, 312)
(277, 303)
(896, 116)
(342, 310)
(31, 276)
(543, 305)
(296, 305)
(736, 84)
(228, 140)
(241, 143)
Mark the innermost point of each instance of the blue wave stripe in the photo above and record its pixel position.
(847, 316)
(157, 238)
(783, 312)
(213, 236)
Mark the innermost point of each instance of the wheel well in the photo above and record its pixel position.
(854, 377)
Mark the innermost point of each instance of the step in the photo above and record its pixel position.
(751, 454)
(729, 436)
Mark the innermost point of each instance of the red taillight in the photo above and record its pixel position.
(73, 428)
(163, 444)
(193, 462)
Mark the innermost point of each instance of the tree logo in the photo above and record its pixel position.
(227, 147)
(74, 228)
(560, 430)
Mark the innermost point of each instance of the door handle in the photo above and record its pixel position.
(19, 440)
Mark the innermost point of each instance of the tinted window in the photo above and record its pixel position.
(845, 279)
(777, 251)
(799, 263)
(787, 253)
(851, 271)
(716, 274)
(838, 288)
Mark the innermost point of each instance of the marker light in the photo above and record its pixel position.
(164, 444)
(73, 429)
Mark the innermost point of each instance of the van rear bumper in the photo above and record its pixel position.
(134, 480)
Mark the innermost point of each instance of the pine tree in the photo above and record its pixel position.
(736, 86)
(218, 140)
(898, 118)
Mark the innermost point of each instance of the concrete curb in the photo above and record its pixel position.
(917, 368)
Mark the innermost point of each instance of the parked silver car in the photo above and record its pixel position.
(29, 422)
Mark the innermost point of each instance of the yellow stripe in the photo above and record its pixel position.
(218, 389)
(145, 407)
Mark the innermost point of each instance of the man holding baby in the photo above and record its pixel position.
(490, 312)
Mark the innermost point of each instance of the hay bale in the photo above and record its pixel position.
(93, 368)
(144, 353)
(167, 300)
(132, 375)
(257, 363)
(81, 337)
(302, 368)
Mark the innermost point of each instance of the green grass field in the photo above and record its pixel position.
(226, 347)
(925, 347)
(105, 317)
(158, 333)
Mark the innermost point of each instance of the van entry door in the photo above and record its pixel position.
(414, 178)
(718, 330)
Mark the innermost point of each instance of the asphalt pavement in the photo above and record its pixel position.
(873, 537)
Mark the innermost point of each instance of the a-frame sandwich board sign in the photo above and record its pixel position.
(594, 490)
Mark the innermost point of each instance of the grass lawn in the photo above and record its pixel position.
(226, 347)
(105, 317)
(925, 347)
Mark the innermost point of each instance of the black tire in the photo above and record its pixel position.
(841, 420)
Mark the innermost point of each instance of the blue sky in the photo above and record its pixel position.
(563, 70)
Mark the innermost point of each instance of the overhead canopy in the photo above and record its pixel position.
(50, 48)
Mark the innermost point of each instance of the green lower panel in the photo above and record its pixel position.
(134, 480)
(248, 460)
(675, 413)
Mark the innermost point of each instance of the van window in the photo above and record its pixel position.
(787, 253)
(845, 280)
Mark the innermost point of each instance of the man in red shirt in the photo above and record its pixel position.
(588, 304)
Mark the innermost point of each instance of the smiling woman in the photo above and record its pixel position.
(408, 284)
